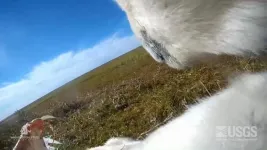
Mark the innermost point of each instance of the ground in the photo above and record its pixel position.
(127, 96)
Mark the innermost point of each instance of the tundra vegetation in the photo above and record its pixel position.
(126, 97)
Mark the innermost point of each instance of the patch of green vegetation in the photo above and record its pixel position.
(131, 94)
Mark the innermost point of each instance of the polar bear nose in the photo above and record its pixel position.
(155, 48)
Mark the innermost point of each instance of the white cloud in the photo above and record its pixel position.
(51, 74)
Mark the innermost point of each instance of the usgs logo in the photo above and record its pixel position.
(236, 132)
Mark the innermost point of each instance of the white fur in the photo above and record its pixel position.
(187, 29)
(49, 141)
(119, 143)
(183, 30)
(243, 104)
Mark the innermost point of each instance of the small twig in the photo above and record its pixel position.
(156, 126)
(218, 85)
(205, 87)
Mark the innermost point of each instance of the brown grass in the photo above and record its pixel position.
(130, 95)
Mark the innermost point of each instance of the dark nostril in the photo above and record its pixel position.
(155, 48)
(160, 56)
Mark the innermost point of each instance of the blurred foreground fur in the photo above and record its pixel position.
(179, 33)
(242, 104)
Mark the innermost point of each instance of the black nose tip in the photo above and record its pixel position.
(161, 57)
(157, 50)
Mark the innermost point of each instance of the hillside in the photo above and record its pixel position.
(126, 97)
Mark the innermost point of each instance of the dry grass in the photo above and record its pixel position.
(130, 95)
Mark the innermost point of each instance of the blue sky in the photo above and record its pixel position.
(46, 43)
